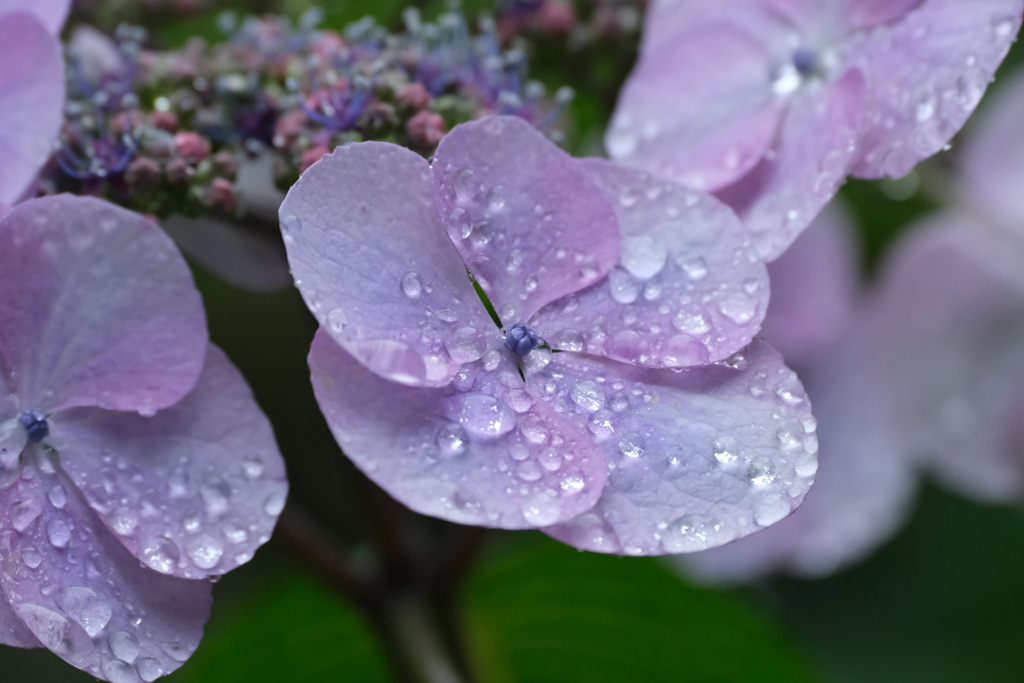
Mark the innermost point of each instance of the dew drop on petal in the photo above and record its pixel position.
(572, 484)
(124, 646)
(160, 554)
(624, 288)
(452, 439)
(116, 671)
(465, 344)
(274, 503)
(91, 610)
(205, 551)
(770, 510)
(412, 285)
(632, 445)
(761, 471)
(738, 307)
(149, 669)
(59, 533)
(481, 415)
(643, 256)
(466, 187)
(725, 450)
(687, 534)
(588, 396)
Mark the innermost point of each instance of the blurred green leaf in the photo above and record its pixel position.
(550, 613)
(295, 630)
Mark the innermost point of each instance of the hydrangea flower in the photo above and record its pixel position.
(31, 89)
(951, 326)
(134, 463)
(866, 479)
(772, 102)
(621, 408)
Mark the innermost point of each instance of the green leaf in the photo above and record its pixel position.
(294, 630)
(552, 614)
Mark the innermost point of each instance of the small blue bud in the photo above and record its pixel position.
(35, 425)
(805, 61)
(520, 339)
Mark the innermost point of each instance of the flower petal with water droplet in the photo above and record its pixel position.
(698, 289)
(667, 491)
(483, 454)
(375, 265)
(204, 470)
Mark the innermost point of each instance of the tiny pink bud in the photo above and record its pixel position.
(192, 147)
(426, 129)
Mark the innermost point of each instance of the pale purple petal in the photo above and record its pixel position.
(862, 490)
(31, 100)
(376, 267)
(51, 12)
(481, 451)
(814, 287)
(81, 593)
(192, 491)
(771, 21)
(689, 287)
(925, 76)
(99, 308)
(697, 458)
(951, 326)
(530, 223)
(993, 158)
(783, 194)
(698, 109)
(13, 631)
(860, 14)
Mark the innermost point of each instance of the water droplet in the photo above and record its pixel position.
(624, 289)
(125, 646)
(628, 196)
(160, 554)
(696, 268)
(925, 108)
(738, 307)
(687, 534)
(466, 187)
(588, 396)
(725, 450)
(58, 497)
(632, 445)
(481, 415)
(600, 424)
(466, 344)
(1002, 26)
(275, 503)
(567, 340)
(770, 510)
(116, 671)
(495, 199)
(24, 513)
(550, 460)
(205, 551)
(91, 610)
(761, 471)
(691, 319)
(528, 470)
(216, 495)
(178, 651)
(412, 286)
(123, 521)
(790, 435)
(572, 484)
(252, 465)
(786, 79)
(59, 533)
(452, 439)
(643, 256)
(31, 557)
(67, 639)
(149, 669)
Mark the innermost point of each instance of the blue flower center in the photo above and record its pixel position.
(520, 339)
(805, 61)
(35, 425)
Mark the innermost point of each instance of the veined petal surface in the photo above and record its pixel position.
(81, 593)
(31, 99)
(925, 75)
(689, 287)
(373, 261)
(527, 218)
(482, 451)
(697, 458)
(99, 308)
(191, 492)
